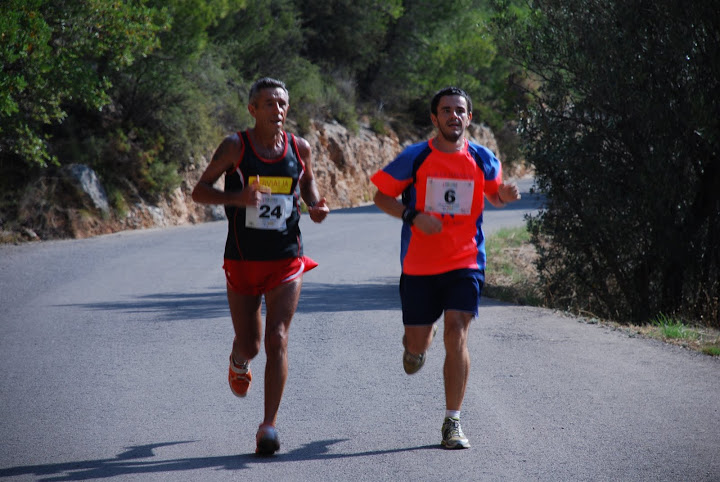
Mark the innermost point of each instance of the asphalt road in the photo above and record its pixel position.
(114, 359)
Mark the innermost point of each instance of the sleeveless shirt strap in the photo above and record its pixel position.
(296, 151)
(241, 136)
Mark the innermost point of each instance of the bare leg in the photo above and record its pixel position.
(457, 357)
(281, 304)
(418, 338)
(247, 323)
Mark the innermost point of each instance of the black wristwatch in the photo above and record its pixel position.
(409, 215)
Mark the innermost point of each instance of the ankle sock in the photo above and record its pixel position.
(236, 363)
(452, 414)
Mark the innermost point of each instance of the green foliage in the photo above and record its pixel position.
(501, 241)
(378, 125)
(265, 38)
(672, 328)
(347, 35)
(507, 277)
(711, 350)
(190, 21)
(59, 52)
(117, 201)
(262, 39)
(434, 45)
(623, 133)
(340, 104)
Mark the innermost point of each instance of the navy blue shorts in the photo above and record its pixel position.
(425, 298)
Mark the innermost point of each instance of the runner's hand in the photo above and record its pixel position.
(508, 193)
(427, 224)
(319, 212)
(251, 195)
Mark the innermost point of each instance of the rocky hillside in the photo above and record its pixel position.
(71, 203)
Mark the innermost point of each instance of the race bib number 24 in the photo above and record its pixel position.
(271, 214)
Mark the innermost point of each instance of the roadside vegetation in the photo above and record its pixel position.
(512, 276)
(624, 137)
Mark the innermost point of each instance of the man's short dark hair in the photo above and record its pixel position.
(265, 83)
(449, 91)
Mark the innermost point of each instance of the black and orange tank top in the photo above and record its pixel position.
(270, 231)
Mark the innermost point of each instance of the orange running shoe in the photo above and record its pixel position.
(267, 440)
(239, 377)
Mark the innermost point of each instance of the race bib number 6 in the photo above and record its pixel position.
(449, 196)
(271, 214)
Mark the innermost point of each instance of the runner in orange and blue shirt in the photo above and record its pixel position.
(443, 184)
(450, 187)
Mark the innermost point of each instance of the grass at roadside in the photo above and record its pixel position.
(511, 276)
(679, 332)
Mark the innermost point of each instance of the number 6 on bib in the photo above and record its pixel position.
(448, 196)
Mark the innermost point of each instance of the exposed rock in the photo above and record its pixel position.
(30, 234)
(86, 181)
(343, 162)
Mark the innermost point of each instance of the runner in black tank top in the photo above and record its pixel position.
(266, 171)
(272, 230)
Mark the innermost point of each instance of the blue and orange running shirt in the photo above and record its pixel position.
(451, 187)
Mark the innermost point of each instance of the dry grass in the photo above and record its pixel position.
(511, 275)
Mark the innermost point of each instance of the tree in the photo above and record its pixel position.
(347, 35)
(624, 133)
(168, 106)
(59, 52)
(431, 46)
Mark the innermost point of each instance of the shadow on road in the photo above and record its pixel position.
(168, 306)
(328, 297)
(138, 460)
(314, 298)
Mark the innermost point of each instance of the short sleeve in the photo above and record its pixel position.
(394, 178)
(490, 165)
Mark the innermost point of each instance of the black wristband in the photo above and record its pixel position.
(409, 215)
(311, 204)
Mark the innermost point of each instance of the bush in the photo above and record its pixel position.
(625, 137)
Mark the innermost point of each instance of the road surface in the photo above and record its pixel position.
(114, 359)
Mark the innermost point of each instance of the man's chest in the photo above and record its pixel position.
(449, 189)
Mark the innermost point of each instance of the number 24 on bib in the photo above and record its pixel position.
(271, 214)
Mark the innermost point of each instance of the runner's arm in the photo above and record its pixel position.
(392, 206)
(223, 161)
(317, 206)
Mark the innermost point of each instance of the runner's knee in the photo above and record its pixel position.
(456, 331)
(276, 341)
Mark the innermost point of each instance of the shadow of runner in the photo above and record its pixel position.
(327, 297)
(131, 462)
